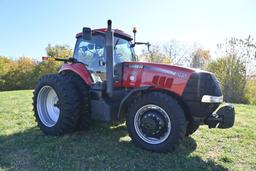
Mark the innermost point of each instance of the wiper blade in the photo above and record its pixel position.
(116, 43)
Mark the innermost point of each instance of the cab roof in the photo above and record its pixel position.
(117, 32)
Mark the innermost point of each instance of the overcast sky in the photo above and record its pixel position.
(27, 26)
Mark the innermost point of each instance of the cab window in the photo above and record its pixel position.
(122, 51)
(91, 52)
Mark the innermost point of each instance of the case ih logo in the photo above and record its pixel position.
(135, 66)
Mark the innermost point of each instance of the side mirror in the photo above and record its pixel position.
(87, 33)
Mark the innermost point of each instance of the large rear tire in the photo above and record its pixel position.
(56, 105)
(84, 95)
(156, 122)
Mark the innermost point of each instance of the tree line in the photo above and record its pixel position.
(234, 64)
(23, 73)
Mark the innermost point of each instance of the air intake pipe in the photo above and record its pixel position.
(109, 58)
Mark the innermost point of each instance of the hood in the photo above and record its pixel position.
(173, 70)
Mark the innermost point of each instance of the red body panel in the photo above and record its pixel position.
(138, 74)
(168, 77)
(79, 69)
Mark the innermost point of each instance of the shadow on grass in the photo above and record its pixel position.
(103, 147)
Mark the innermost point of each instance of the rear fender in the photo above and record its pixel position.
(79, 69)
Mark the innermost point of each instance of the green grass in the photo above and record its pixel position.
(108, 147)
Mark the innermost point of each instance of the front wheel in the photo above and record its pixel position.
(156, 122)
(191, 128)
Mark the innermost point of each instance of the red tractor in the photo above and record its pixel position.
(103, 81)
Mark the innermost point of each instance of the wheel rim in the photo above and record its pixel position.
(48, 106)
(152, 124)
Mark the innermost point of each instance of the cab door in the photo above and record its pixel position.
(92, 54)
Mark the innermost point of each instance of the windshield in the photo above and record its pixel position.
(122, 51)
(93, 52)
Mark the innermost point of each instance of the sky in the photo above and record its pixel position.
(28, 26)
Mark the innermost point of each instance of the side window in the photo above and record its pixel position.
(91, 52)
(83, 53)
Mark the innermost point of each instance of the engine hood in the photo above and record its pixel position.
(169, 77)
(172, 70)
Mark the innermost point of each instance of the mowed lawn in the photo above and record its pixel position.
(108, 147)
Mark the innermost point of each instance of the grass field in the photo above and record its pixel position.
(108, 147)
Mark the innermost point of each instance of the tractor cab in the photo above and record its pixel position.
(92, 52)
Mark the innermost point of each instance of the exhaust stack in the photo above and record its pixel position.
(109, 58)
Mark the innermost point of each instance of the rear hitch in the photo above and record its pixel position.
(223, 117)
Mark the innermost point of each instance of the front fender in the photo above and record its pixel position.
(127, 99)
(79, 69)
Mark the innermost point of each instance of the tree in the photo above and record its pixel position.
(230, 71)
(21, 75)
(50, 67)
(244, 49)
(59, 51)
(47, 67)
(24, 72)
(200, 57)
(235, 67)
(178, 52)
(250, 91)
(5, 64)
(155, 55)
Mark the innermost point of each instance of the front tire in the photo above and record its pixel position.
(191, 129)
(56, 105)
(156, 122)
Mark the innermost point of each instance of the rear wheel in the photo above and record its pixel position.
(83, 89)
(48, 106)
(156, 122)
(56, 105)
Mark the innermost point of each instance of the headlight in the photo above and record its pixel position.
(212, 99)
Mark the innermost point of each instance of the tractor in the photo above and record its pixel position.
(103, 81)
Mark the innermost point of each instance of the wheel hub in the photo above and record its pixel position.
(48, 106)
(152, 124)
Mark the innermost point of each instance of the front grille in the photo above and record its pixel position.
(199, 84)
